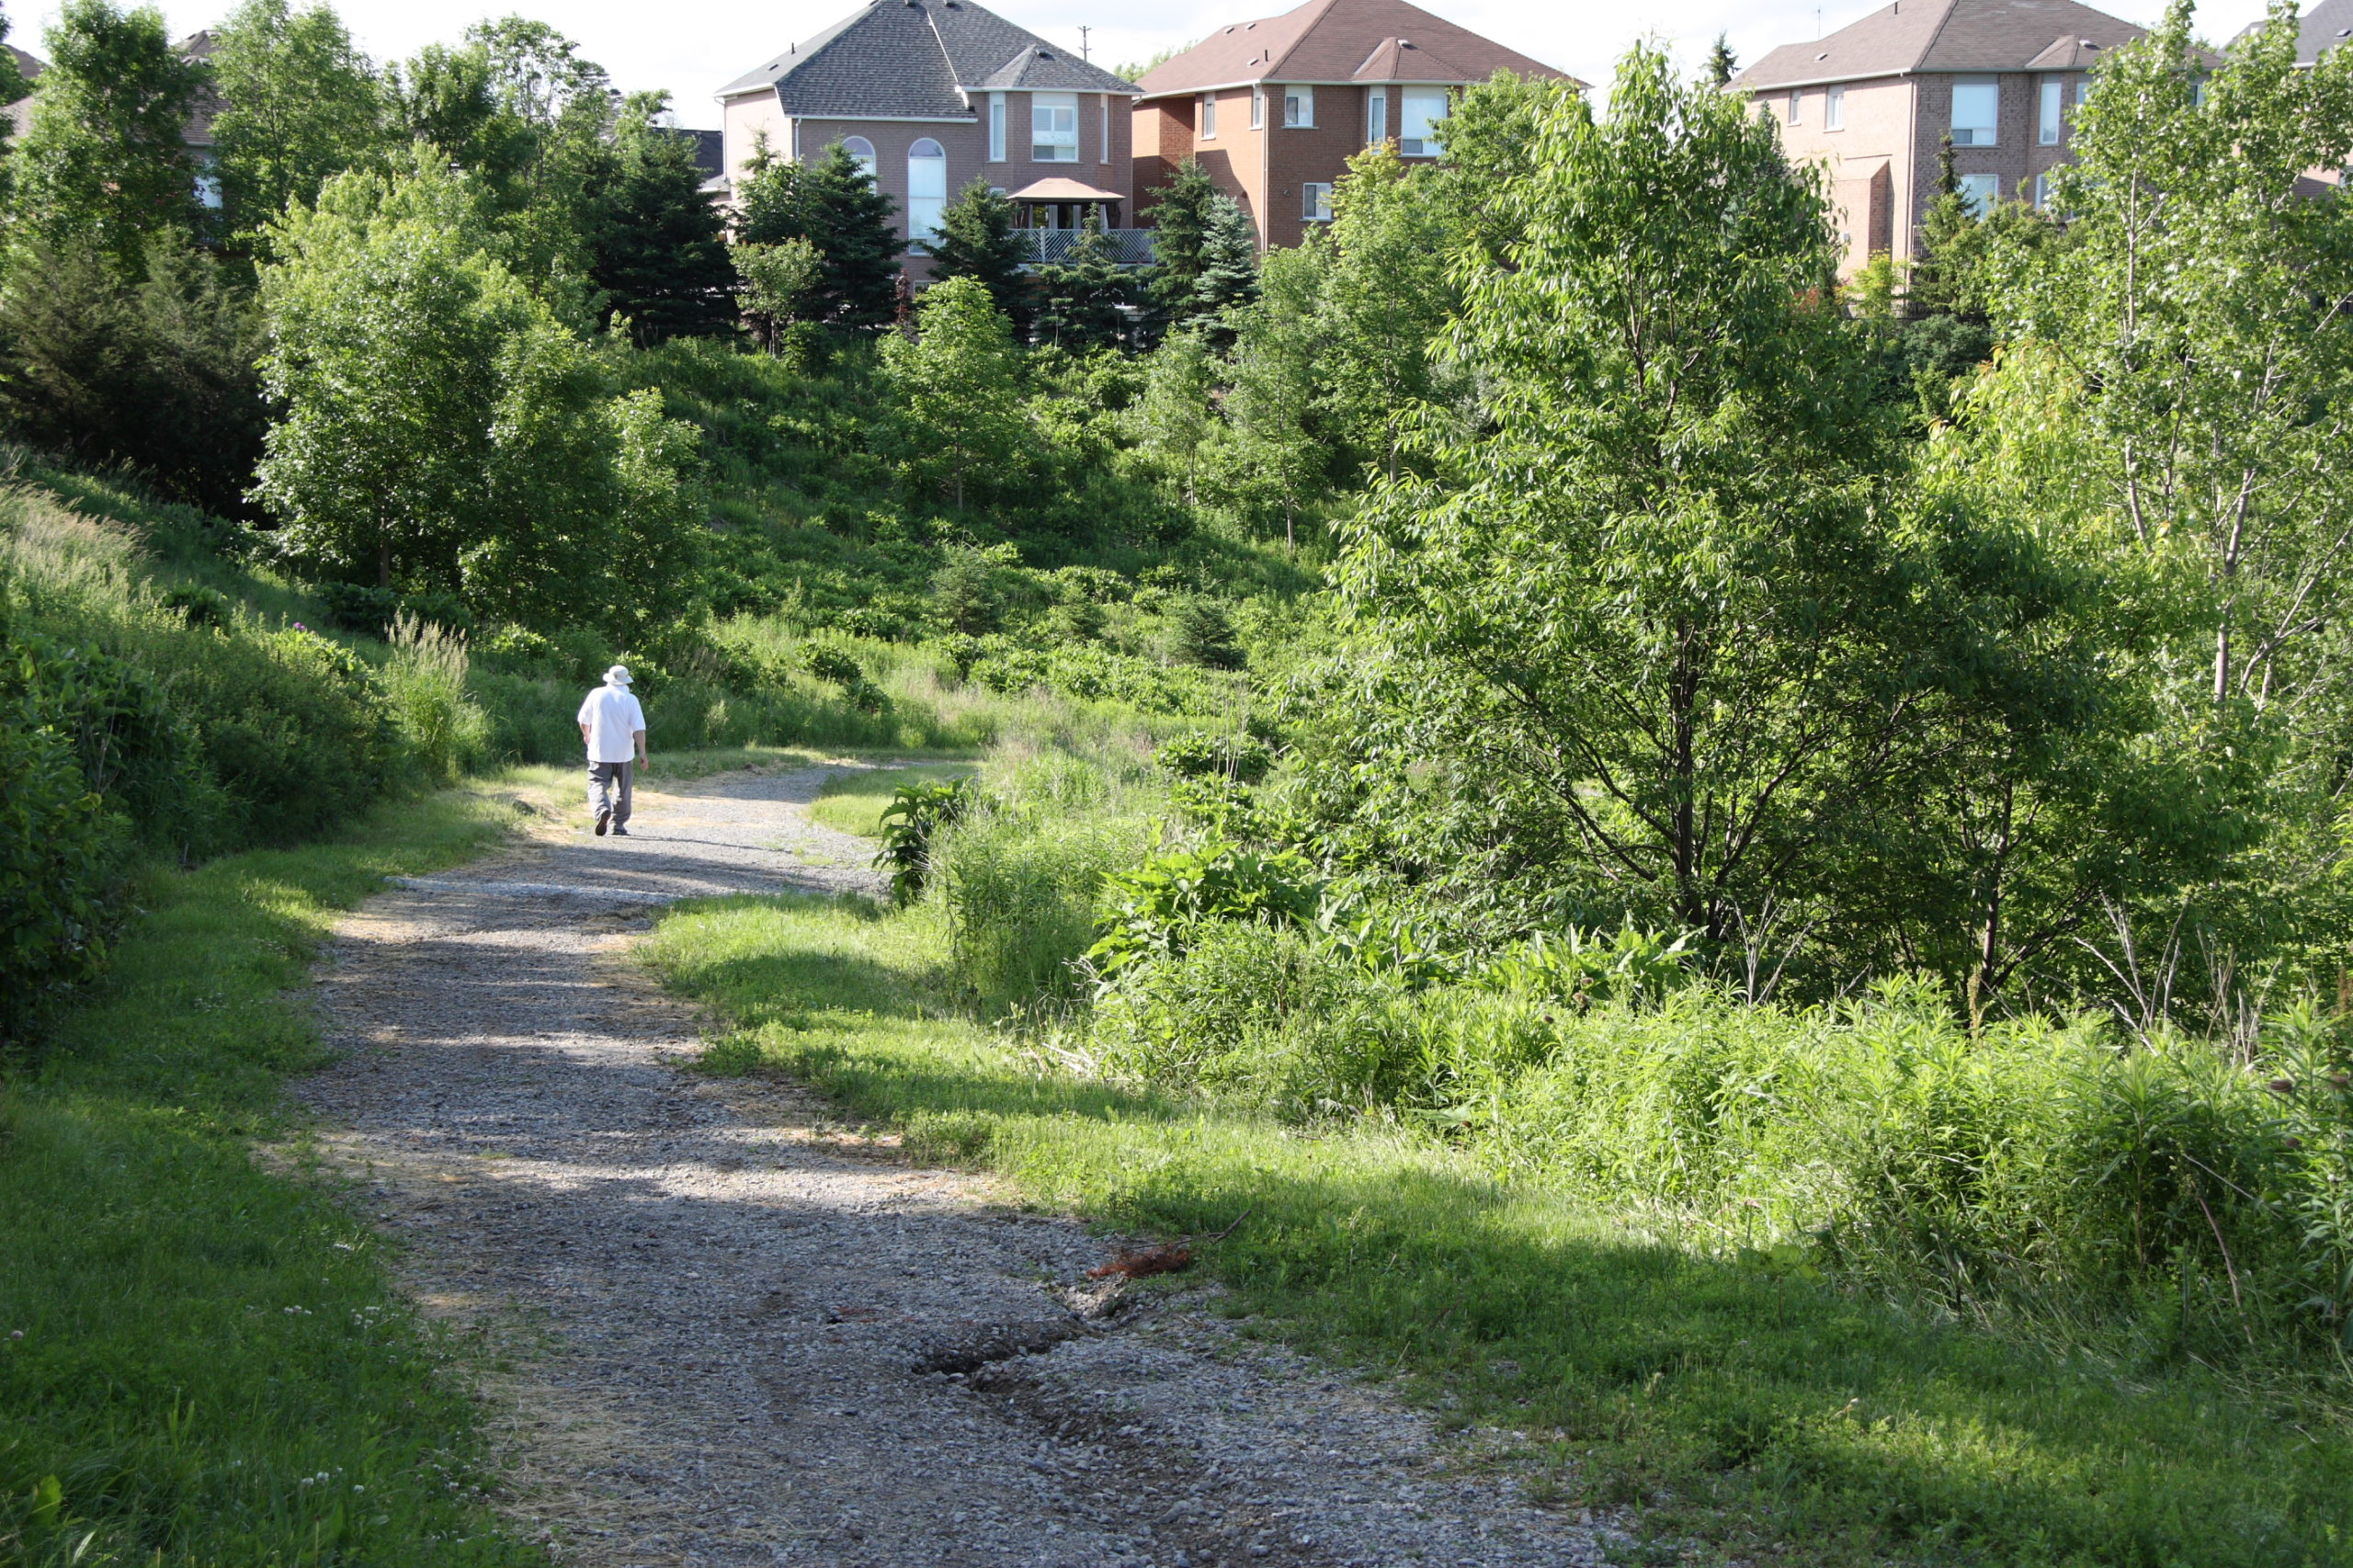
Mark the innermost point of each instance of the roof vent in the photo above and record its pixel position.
(2345, 32)
(1823, 55)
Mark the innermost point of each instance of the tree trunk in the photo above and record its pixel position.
(384, 565)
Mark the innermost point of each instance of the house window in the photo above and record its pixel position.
(2046, 127)
(1977, 109)
(1376, 117)
(2042, 193)
(1054, 128)
(1209, 116)
(1105, 157)
(997, 128)
(1298, 108)
(1317, 208)
(1258, 107)
(1424, 111)
(862, 152)
(2083, 90)
(1796, 106)
(1981, 192)
(1834, 108)
(927, 187)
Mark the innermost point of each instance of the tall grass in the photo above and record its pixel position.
(425, 685)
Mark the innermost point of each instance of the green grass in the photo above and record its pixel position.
(203, 1360)
(853, 802)
(1762, 1406)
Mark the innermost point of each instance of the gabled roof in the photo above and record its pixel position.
(1947, 35)
(1341, 40)
(916, 59)
(2326, 26)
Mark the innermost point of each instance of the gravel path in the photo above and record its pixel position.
(740, 1336)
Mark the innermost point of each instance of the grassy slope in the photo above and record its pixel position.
(1768, 1408)
(213, 1364)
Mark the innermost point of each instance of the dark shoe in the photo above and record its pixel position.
(621, 833)
(603, 819)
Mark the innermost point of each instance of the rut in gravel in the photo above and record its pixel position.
(746, 1340)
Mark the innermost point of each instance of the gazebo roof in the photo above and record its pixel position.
(1062, 190)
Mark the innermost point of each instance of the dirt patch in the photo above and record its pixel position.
(731, 1340)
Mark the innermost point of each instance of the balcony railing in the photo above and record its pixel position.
(1051, 247)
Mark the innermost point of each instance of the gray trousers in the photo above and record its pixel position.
(609, 788)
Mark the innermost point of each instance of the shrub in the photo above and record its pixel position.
(911, 824)
(60, 853)
(1243, 758)
(1020, 891)
(201, 607)
(1199, 632)
(966, 595)
(425, 685)
(1153, 910)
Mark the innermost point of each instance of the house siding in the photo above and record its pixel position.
(1263, 169)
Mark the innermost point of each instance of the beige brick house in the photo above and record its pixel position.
(1875, 100)
(929, 94)
(1275, 109)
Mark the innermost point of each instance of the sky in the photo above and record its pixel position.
(691, 47)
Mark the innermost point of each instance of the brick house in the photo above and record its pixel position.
(1274, 108)
(929, 94)
(1875, 99)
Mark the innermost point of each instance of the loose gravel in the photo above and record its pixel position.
(738, 1335)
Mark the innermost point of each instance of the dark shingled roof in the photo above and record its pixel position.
(2326, 26)
(908, 58)
(1947, 35)
(1341, 40)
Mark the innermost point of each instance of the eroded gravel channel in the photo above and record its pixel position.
(739, 1340)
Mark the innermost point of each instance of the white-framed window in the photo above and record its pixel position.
(1298, 108)
(927, 187)
(2046, 119)
(997, 128)
(1209, 116)
(1054, 128)
(859, 148)
(1795, 110)
(1258, 107)
(1976, 111)
(2042, 193)
(1981, 192)
(2083, 90)
(2198, 92)
(1317, 206)
(1834, 107)
(1106, 154)
(1376, 117)
(1417, 125)
(208, 191)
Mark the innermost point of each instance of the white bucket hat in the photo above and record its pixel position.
(616, 676)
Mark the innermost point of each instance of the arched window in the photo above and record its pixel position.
(927, 187)
(858, 147)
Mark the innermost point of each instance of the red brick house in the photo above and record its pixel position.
(1274, 108)
(929, 94)
(1875, 100)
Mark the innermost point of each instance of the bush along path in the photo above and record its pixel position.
(739, 1333)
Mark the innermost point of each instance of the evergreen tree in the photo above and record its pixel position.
(977, 240)
(1180, 232)
(659, 249)
(1723, 65)
(297, 103)
(1939, 287)
(834, 206)
(1086, 300)
(105, 158)
(1229, 277)
(12, 86)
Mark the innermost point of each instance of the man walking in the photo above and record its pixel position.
(613, 725)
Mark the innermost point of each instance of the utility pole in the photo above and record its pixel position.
(1082, 53)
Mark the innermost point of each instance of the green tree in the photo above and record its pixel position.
(1177, 414)
(297, 103)
(977, 240)
(442, 430)
(2204, 306)
(955, 395)
(105, 156)
(1089, 299)
(834, 206)
(157, 373)
(1229, 275)
(1276, 453)
(1635, 632)
(1180, 232)
(12, 86)
(778, 287)
(658, 249)
(1722, 64)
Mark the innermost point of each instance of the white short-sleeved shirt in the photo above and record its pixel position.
(613, 718)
